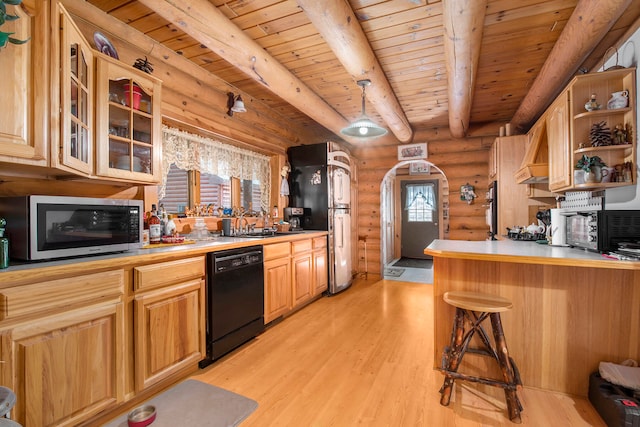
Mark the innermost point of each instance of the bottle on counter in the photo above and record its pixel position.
(155, 227)
(4, 245)
(162, 214)
(170, 226)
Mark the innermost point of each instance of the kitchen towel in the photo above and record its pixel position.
(194, 403)
(621, 374)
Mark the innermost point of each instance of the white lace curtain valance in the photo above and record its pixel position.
(194, 152)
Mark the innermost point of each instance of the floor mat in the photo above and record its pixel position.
(393, 272)
(413, 263)
(194, 403)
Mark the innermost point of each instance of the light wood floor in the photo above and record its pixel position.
(365, 357)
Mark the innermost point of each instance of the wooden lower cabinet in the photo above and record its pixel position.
(67, 367)
(169, 319)
(302, 266)
(320, 266)
(61, 346)
(277, 280)
(302, 278)
(294, 273)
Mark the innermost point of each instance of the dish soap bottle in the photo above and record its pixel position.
(4, 245)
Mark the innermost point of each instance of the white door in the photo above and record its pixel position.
(342, 249)
(341, 187)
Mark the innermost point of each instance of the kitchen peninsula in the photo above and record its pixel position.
(571, 308)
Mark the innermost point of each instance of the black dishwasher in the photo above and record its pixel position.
(235, 299)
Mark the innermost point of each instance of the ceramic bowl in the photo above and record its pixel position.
(142, 416)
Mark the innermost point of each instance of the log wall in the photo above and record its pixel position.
(461, 160)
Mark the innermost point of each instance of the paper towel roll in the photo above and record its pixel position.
(558, 228)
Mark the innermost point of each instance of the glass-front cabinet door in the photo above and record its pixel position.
(76, 60)
(128, 135)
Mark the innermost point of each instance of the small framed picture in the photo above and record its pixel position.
(416, 168)
(412, 151)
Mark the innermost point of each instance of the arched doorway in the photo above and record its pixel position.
(395, 209)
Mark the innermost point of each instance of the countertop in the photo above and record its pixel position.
(27, 271)
(524, 252)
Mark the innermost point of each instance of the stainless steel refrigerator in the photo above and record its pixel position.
(320, 181)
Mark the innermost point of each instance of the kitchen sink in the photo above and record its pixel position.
(263, 234)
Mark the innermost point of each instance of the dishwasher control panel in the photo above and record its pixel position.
(228, 262)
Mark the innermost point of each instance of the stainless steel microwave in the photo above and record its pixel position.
(602, 230)
(48, 227)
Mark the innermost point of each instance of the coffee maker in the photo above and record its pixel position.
(297, 217)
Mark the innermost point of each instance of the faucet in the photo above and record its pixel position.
(239, 224)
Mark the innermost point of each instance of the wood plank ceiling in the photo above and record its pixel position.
(448, 66)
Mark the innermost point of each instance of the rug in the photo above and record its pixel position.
(413, 263)
(393, 272)
(194, 403)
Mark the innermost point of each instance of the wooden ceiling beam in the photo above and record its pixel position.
(181, 74)
(588, 24)
(463, 25)
(341, 30)
(204, 22)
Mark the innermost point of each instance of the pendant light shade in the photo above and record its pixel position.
(238, 105)
(235, 104)
(364, 127)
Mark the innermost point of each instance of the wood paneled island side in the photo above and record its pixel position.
(571, 308)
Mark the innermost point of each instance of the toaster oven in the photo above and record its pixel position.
(602, 230)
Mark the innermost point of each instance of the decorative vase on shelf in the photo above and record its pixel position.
(592, 104)
(593, 175)
(618, 100)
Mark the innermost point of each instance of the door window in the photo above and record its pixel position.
(421, 204)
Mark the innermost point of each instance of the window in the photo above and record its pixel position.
(421, 205)
(215, 191)
(176, 195)
(198, 170)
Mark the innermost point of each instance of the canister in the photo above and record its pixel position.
(558, 235)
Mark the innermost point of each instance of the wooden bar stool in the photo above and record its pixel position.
(474, 308)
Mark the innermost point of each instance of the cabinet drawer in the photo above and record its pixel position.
(61, 293)
(276, 250)
(319, 242)
(300, 246)
(167, 273)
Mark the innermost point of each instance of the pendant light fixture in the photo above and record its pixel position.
(363, 127)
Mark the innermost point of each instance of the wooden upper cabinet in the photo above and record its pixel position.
(570, 125)
(493, 162)
(76, 100)
(559, 144)
(512, 197)
(24, 89)
(128, 122)
(583, 123)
